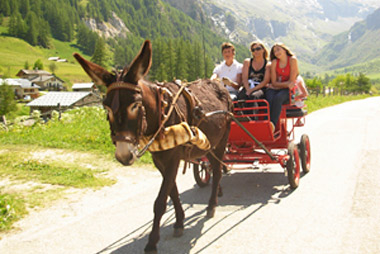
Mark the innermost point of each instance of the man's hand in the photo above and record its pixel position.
(226, 81)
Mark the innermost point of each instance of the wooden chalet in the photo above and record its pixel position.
(23, 88)
(44, 79)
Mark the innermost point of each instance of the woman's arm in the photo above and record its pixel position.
(238, 80)
(244, 75)
(293, 72)
(273, 75)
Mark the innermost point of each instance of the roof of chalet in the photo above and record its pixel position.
(82, 86)
(23, 83)
(33, 72)
(45, 78)
(51, 99)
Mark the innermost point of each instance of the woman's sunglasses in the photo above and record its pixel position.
(256, 49)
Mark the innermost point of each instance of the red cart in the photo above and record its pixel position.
(251, 141)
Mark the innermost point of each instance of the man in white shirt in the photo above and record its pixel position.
(229, 71)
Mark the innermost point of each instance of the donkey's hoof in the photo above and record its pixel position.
(178, 232)
(210, 213)
(150, 250)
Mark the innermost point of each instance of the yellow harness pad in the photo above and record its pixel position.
(177, 135)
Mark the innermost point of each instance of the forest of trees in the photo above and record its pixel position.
(182, 47)
(37, 21)
(348, 83)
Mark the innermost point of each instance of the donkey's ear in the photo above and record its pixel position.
(97, 73)
(140, 65)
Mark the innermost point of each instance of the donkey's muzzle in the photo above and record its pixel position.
(125, 153)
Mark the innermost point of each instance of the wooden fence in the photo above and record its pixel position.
(330, 91)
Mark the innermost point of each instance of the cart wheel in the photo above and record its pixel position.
(202, 173)
(305, 153)
(293, 166)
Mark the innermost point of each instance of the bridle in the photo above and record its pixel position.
(141, 125)
(123, 85)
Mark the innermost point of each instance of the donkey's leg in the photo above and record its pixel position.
(179, 213)
(159, 210)
(216, 176)
(169, 174)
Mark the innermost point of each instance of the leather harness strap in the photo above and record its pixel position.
(122, 84)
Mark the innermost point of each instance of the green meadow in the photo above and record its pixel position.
(15, 53)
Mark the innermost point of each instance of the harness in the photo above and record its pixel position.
(188, 134)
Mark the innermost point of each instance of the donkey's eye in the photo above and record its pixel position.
(110, 114)
(133, 110)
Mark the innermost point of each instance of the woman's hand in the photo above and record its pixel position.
(291, 85)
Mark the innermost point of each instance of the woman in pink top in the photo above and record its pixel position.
(284, 72)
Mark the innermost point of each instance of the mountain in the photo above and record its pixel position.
(183, 47)
(357, 45)
(190, 32)
(304, 25)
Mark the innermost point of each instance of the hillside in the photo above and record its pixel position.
(82, 24)
(355, 46)
(15, 52)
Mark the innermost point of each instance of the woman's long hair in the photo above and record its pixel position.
(282, 45)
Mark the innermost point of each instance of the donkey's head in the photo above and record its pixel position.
(126, 113)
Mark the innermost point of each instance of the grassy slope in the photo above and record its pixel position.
(15, 52)
(369, 68)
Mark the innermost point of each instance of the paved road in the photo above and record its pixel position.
(336, 208)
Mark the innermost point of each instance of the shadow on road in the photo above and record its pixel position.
(242, 190)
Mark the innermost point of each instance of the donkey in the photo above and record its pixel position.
(136, 108)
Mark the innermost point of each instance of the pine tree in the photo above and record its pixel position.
(99, 56)
(7, 99)
(191, 61)
(209, 67)
(181, 62)
(43, 34)
(199, 61)
(37, 8)
(5, 8)
(162, 64)
(12, 25)
(24, 7)
(14, 6)
(16, 25)
(155, 59)
(32, 30)
(170, 59)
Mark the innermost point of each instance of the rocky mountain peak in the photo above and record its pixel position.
(115, 27)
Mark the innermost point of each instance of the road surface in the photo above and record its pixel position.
(336, 208)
